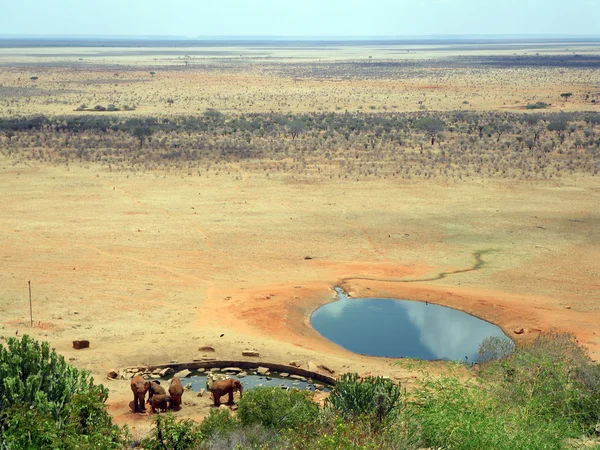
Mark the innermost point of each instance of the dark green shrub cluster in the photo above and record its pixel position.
(46, 403)
(538, 105)
(376, 398)
(171, 434)
(277, 408)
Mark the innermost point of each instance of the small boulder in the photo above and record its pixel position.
(242, 374)
(262, 370)
(201, 393)
(206, 348)
(298, 377)
(519, 330)
(295, 363)
(312, 366)
(78, 345)
(112, 374)
(223, 407)
(284, 374)
(232, 369)
(166, 372)
(183, 373)
(319, 387)
(253, 353)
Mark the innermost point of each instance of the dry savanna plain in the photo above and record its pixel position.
(164, 197)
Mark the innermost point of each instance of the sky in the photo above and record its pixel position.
(339, 18)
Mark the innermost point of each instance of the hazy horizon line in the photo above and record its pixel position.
(491, 36)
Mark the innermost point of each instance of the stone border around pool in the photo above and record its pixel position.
(177, 367)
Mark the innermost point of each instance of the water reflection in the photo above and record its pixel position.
(402, 328)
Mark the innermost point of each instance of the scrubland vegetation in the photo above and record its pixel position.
(543, 396)
(451, 146)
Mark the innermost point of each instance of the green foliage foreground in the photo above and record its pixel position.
(46, 403)
(544, 396)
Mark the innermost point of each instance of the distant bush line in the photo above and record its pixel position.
(407, 145)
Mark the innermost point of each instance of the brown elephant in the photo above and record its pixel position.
(160, 401)
(139, 387)
(176, 392)
(155, 389)
(222, 387)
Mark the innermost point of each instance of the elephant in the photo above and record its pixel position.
(155, 389)
(222, 387)
(139, 387)
(176, 392)
(160, 401)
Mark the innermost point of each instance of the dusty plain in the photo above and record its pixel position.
(151, 265)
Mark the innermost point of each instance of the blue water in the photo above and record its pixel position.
(197, 381)
(403, 329)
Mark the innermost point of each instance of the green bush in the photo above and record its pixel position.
(538, 105)
(449, 413)
(219, 422)
(376, 397)
(494, 348)
(277, 408)
(49, 404)
(552, 378)
(171, 434)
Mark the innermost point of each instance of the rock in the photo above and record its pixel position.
(173, 361)
(78, 345)
(188, 387)
(567, 307)
(223, 407)
(112, 374)
(242, 374)
(262, 370)
(298, 377)
(202, 370)
(166, 372)
(206, 348)
(326, 368)
(183, 373)
(204, 358)
(319, 387)
(295, 363)
(232, 369)
(284, 374)
(156, 371)
(519, 330)
(250, 353)
(215, 369)
(201, 393)
(312, 366)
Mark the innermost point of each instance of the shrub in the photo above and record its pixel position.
(60, 405)
(447, 413)
(219, 422)
(494, 348)
(277, 408)
(538, 105)
(376, 397)
(172, 434)
(552, 378)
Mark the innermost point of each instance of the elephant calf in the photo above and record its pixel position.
(155, 388)
(160, 401)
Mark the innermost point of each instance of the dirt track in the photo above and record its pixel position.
(148, 268)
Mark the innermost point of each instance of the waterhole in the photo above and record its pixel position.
(402, 328)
